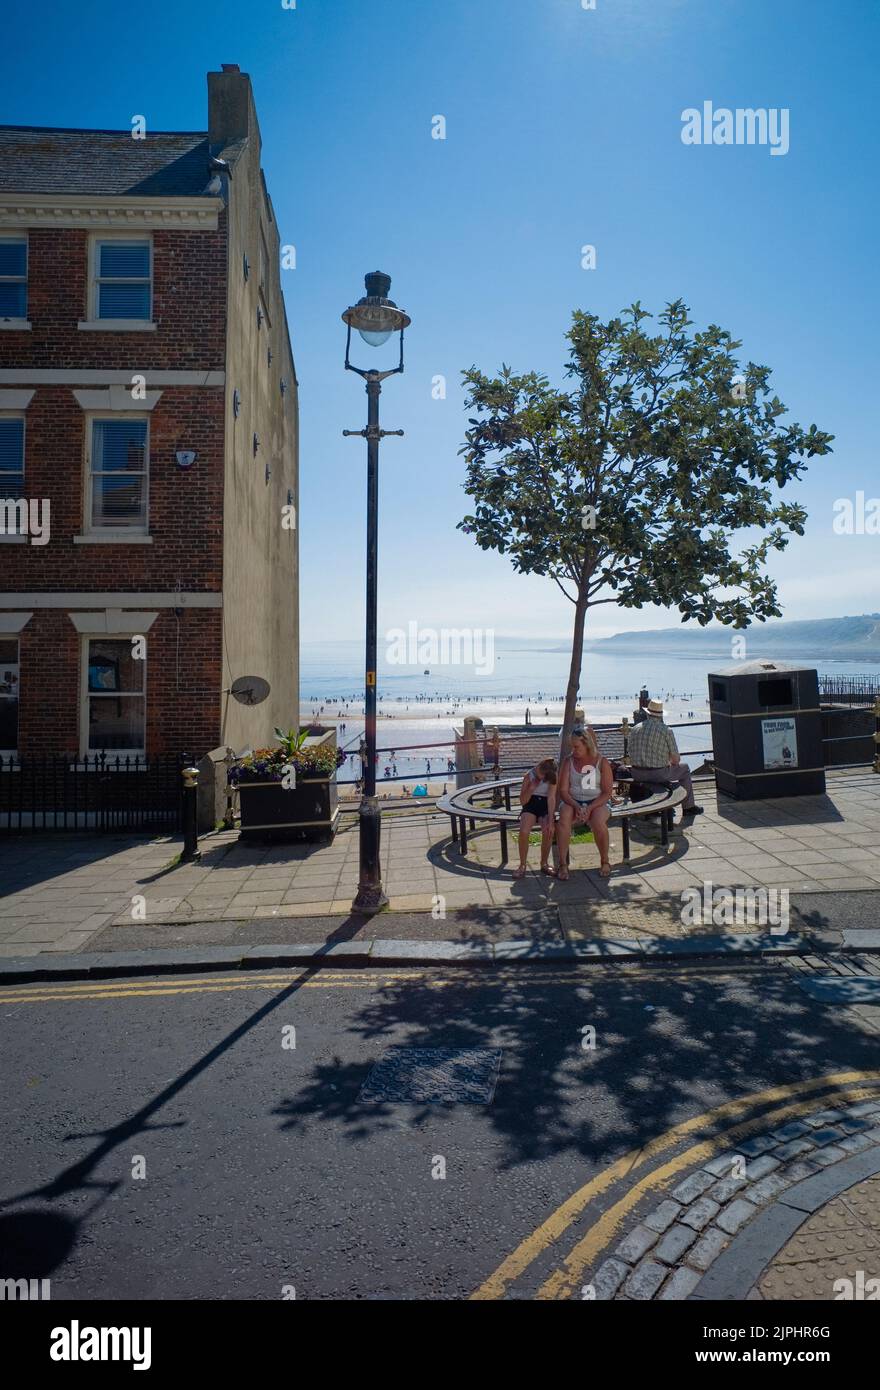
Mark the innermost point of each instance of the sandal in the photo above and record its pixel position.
(563, 872)
(520, 872)
(604, 869)
(546, 869)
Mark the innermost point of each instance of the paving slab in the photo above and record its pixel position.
(842, 989)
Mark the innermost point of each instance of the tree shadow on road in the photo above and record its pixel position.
(667, 1044)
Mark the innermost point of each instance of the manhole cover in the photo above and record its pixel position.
(442, 1075)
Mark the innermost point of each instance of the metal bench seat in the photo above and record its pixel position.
(462, 807)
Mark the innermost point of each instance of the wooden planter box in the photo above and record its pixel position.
(308, 810)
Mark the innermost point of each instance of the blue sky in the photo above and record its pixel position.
(563, 128)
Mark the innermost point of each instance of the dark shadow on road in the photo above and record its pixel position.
(669, 1043)
(78, 1176)
(34, 1242)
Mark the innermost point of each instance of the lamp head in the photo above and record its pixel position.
(375, 316)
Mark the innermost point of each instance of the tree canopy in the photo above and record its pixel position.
(655, 478)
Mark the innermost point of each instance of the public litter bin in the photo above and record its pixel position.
(767, 730)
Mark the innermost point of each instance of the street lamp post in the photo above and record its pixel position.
(375, 317)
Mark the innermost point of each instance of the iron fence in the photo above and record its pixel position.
(850, 690)
(101, 792)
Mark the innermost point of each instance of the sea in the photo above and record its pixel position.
(420, 707)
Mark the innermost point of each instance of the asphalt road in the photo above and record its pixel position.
(265, 1169)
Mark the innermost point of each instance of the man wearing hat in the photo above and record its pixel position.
(654, 755)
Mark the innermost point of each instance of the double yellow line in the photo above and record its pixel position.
(75, 991)
(777, 1105)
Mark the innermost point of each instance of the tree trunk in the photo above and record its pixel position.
(574, 672)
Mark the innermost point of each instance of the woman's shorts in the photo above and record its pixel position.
(584, 804)
(537, 806)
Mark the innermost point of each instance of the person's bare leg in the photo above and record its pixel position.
(546, 842)
(526, 822)
(563, 838)
(599, 827)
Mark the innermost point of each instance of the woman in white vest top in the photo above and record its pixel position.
(585, 786)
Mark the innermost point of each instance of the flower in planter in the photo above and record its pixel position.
(269, 764)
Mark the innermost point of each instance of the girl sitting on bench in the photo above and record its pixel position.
(538, 799)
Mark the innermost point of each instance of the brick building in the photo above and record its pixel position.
(148, 439)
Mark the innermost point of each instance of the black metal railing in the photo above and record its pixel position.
(850, 690)
(101, 792)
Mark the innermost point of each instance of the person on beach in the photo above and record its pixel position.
(538, 800)
(585, 786)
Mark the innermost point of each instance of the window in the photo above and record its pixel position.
(117, 467)
(115, 696)
(13, 278)
(11, 456)
(122, 279)
(8, 695)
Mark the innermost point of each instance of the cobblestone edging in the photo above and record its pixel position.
(666, 1255)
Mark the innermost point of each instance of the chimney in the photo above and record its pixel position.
(231, 112)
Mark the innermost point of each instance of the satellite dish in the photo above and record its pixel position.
(250, 690)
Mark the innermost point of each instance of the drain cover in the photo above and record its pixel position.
(442, 1075)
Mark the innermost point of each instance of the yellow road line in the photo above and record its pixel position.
(136, 981)
(559, 1221)
(147, 991)
(330, 977)
(561, 1284)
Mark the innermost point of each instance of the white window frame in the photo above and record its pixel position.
(22, 416)
(96, 240)
(86, 695)
(12, 753)
(22, 321)
(120, 533)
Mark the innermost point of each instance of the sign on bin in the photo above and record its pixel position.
(780, 743)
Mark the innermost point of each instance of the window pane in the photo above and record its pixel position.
(123, 301)
(118, 464)
(116, 723)
(118, 445)
(126, 259)
(9, 674)
(112, 666)
(13, 257)
(11, 448)
(118, 501)
(13, 300)
(12, 522)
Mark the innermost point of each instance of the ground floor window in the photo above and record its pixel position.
(9, 674)
(115, 696)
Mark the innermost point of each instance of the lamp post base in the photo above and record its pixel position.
(370, 897)
(370, 900)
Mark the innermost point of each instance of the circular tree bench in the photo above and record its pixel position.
(463, 809)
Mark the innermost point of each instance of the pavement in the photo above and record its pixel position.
(658, 1133)
(663, 1111)
(74, 893)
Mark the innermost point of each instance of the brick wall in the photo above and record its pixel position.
(189, 306)
(185, 505)
(183, 683)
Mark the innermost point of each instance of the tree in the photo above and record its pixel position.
(636, 485)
